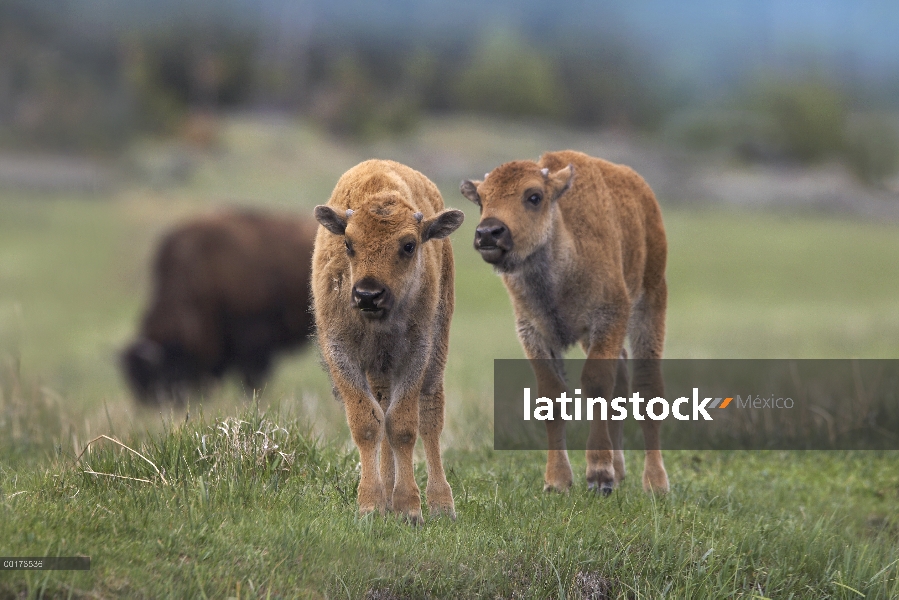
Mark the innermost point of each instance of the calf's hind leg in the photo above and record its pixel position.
(381, 390)
(402, 430)
(599, 380)
(431, 407)
(438, 492)
(616, 428)
(647, 336)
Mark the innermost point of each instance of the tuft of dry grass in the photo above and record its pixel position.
(236, 440)
(132, 450)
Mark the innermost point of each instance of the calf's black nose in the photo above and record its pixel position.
(488, 234)
(367, 296)
(492, 233)
(370, 295)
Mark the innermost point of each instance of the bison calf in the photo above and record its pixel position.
(229, 290)
(581, 249)
(382, 285)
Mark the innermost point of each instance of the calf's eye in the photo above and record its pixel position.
(409, 247)
(535, 199)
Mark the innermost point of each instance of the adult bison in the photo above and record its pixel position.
(229, 291)
(581, 249)
(382, 283)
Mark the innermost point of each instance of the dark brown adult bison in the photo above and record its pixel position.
(229, 291)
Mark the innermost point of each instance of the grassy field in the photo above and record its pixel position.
(247, 509)
(230, 516)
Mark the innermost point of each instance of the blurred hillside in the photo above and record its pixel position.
(750, 83)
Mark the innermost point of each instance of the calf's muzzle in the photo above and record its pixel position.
(372, 298)
(492, 239)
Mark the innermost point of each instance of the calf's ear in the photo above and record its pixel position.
(469, 189)
(560, 181)
(330, 220)
(442, 224)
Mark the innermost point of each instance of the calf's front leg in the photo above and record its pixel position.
(558, 475)
(366, 421)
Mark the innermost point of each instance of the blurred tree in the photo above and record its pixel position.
(154, 108)
(873, 148)
(610, 84)
(58, 89)
(808, 117)
(368, 93)
(65, 87)
(204, 67)
(506, 76)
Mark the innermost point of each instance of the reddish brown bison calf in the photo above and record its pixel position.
(229, 291)
(581, 248)
(382, 278)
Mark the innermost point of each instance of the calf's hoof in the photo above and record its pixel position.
(601, 480)
(440, 502)
(558, 475)
(412, 517)
(618, 464)
(655, 481)
(408, 506)
(370, 510)
(604, 489)
(557, 485)
(448, 511)
(371, 499)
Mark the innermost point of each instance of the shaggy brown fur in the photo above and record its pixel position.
(230, 290)
(382, 277)
(581, 248)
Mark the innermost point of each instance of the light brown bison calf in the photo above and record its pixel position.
(581, 249)
(230, 290)
(382, 277)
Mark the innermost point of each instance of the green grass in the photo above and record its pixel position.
(242, 505)
(232, 520)
(749, 285)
